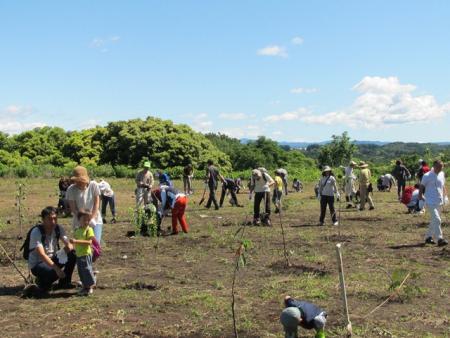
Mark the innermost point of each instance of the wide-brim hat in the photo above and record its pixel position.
(290, 318)
(147, 164)
(363, 164)
(352, 164)
(326, 168)
(80, 175)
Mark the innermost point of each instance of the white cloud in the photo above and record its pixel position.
(383, 102)
(297, 40)
(91, 123)
(233, 116)
(249, 131)
(201, 123)
(102, 44)
(288, 116)
(273, 50)
(13, 119)
(300, 90)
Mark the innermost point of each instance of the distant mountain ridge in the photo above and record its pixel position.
(301, 145)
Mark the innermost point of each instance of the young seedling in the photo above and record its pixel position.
(343, 289)
(26, 280)
(20, 197)
(239, 261)
(286, 254)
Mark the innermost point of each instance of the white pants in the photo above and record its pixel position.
(434, 229)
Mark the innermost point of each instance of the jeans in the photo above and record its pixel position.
(112, 205)
(276, 198)
(85, 271)
(434, 229)
(46, 275)
(324, 201)
(98, 231)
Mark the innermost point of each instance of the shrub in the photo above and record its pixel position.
(123, 171)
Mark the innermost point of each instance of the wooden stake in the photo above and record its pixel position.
(343, 289)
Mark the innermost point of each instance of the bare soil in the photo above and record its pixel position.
(183, 289)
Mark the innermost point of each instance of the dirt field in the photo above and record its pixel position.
(184, 289)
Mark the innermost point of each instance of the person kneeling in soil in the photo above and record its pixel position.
(84, 235)
(260, 183)
(300, 313)
(42, 252)
(410, 198)
(228, 184)
(177, 201)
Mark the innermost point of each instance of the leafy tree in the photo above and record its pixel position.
(338, 152)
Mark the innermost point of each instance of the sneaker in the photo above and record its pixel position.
(267, 222)
(257, 222)
(85, 292)
(371, 208)
(336, 223)
(442, 242)
(113, 221)
(104, 220)
(349, 206)
(429, 240)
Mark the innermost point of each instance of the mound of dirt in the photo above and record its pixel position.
(297, 269)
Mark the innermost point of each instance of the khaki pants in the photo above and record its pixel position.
(364, 195)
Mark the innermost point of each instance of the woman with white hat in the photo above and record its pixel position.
(327, 190)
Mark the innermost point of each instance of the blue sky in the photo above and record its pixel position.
(289, 70)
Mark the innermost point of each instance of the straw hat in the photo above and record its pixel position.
(352, 164)
(363, 164)
(326, 168)
(80, 175)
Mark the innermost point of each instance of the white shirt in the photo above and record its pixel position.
(261, 184)
(105, 189)
(327, 186)
(434, 187)
(349, 173)
(84, 199)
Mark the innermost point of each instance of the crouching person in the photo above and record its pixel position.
(173, 199)
(83, 241)
(300, 313)
(41, 251)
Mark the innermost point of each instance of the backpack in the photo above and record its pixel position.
(96, 249)
(264, 172)
(26, 244)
